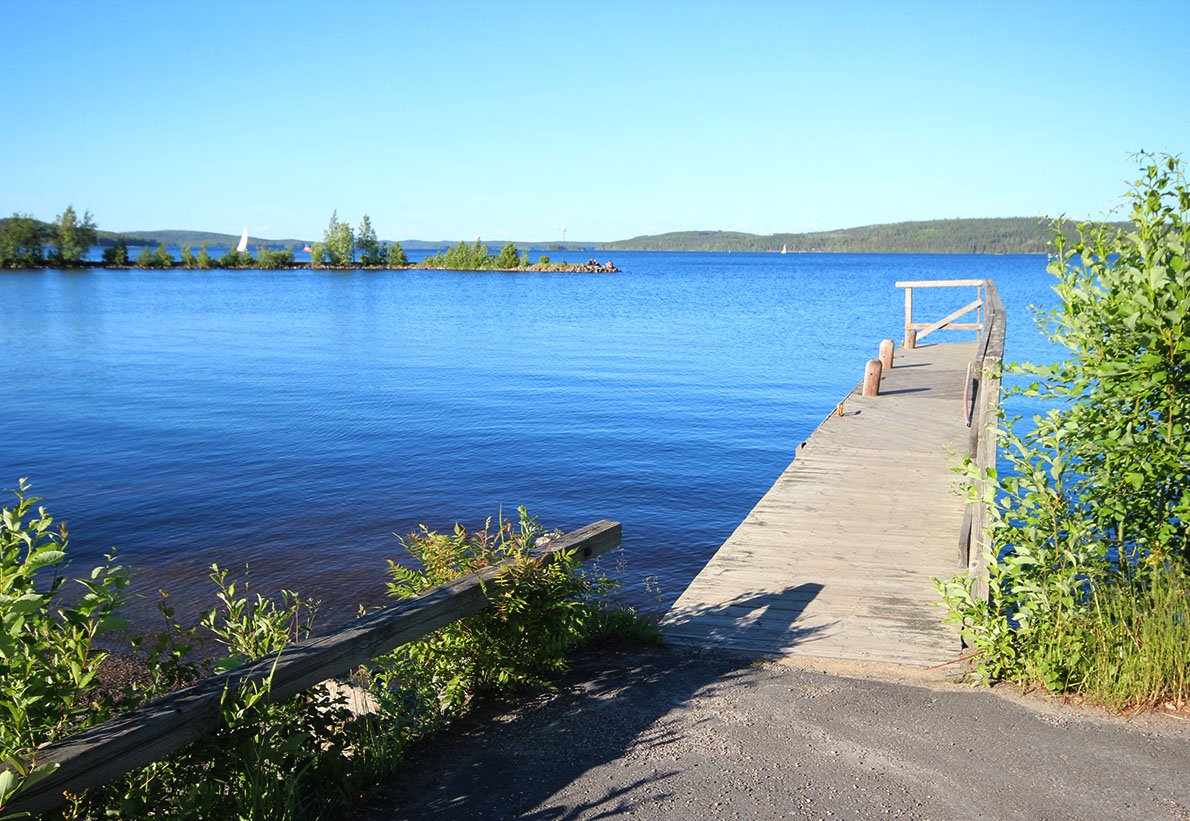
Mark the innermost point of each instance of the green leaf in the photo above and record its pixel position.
(45, 558)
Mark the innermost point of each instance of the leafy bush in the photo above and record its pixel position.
(300, 757)
(535, 614)
(367, 244)
(395, 256)
(72, 237)
(48, 661)
(22, 242)
(1090, 535)
(232, 258)
(116, 254)
(508, 257)
(162, 258)
(338, 242)
(267, 258)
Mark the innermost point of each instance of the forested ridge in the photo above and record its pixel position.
(1011, 235)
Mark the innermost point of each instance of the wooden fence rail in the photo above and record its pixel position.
(917, 331)
(107, 751)
(984, 416)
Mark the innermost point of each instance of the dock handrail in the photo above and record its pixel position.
(982, 440)
(917, 331)
(106, 751)
(981, 398)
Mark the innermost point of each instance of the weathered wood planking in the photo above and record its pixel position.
(106, 751)
(836, 559)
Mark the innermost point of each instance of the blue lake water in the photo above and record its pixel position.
(295, 420)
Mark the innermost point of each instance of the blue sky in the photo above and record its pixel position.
(453, 120)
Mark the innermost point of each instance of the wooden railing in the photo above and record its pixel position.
(981, 399)
(107, 751)
(984, 419)
(917, 331)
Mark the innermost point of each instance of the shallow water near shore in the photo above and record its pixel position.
(295, 420)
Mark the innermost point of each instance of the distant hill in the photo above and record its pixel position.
(1011, 235)
(197, 238)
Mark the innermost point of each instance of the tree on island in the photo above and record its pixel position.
(367, 244)
(395, 256)
(22, 242)
(508, 257)
(338, 243)
(72, 237)
(116, 254)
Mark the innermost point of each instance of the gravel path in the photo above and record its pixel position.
(662, 735)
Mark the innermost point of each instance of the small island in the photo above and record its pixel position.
(29, 243)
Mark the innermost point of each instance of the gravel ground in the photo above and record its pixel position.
(664, 735)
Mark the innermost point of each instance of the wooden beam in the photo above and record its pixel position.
(939, 283)
(946, 320)
(953, 326)
(908, 315)
(107, 751)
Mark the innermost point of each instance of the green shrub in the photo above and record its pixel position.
(22, 242)
(305, 756)
(535, 614)
(395, 256)
(267, 258)
(1091, 525)
(116, 254)
(508, 257)
(48, 659)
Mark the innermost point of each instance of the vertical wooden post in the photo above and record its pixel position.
(911, 338)
(872, 378)
(886, 353)
(908, 316)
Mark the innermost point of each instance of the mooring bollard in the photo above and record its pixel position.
(886, 353)
(911, 338)
(872, 378)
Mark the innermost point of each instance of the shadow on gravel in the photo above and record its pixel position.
(509, 762)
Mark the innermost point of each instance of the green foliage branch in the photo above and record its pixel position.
(48, 660)
(1090, 528)
(22, 242)
(306, 756)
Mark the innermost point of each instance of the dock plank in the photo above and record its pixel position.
(837, 558)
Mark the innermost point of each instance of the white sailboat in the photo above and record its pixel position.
(243, 246)
(784, 250)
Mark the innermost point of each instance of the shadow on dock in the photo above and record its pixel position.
(764, 622)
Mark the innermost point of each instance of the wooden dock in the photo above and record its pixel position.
(836, 559)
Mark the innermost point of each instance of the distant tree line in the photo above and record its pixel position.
(1014, 235)
(29, 243)
(477, 257)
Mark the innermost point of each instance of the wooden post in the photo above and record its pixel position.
(872, 378)
(911, 338)
(886, 353)
(908, 314)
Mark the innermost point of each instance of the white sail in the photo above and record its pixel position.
(784, 250)
(243, 246)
